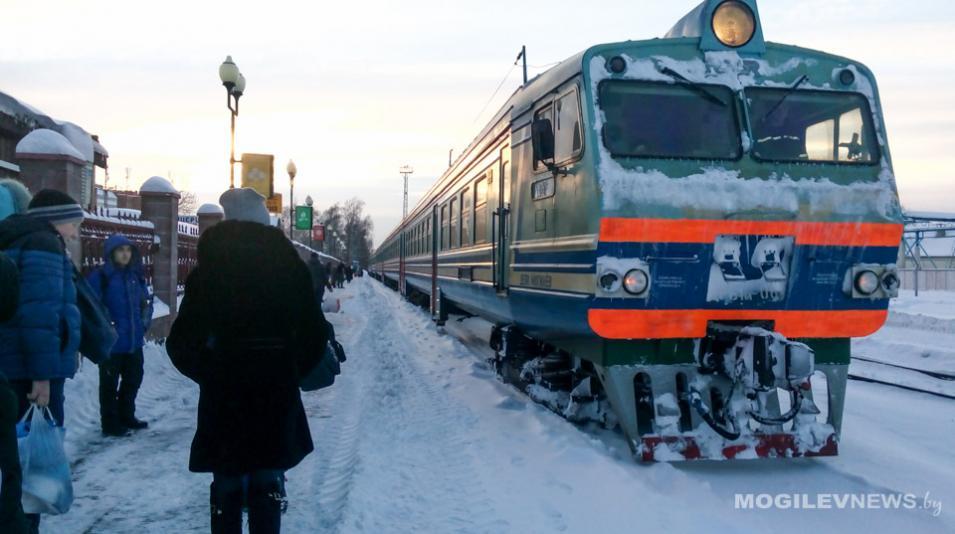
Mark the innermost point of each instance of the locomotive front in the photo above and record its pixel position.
(749, 228)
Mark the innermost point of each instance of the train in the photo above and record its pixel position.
(677, 237)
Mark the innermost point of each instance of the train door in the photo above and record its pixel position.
(434, 242)
(501, 224)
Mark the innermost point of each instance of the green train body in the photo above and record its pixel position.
(656, 166)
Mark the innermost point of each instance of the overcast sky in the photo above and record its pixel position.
(354, 90)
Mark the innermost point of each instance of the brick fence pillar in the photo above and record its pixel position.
(49, 161)
(209, 215)
(160, 206)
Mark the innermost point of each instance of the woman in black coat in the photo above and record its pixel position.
(247, 330)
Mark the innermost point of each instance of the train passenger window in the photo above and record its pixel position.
(466, 200)
(545, 113)
(480, 210)
(445, 233)
(567, 125)
(455, 231)
(815, 126)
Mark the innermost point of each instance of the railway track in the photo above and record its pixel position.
(933, 374)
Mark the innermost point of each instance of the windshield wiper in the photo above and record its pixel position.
(802, 79)
(696, 87)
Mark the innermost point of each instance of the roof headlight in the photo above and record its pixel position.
(636, 281)
(867, 282)
(734, 23)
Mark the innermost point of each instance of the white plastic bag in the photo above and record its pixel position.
(47, 486)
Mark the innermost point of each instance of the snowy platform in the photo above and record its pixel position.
(417, 435)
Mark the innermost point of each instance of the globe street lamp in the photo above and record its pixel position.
(234, 83)
(292, 171)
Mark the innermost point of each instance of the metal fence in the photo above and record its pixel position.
(98, 227)
(928, 279)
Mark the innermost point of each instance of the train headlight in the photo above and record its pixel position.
(867, 282)
(636, 282)
(891, 283)
(610, 282)
(733, 23)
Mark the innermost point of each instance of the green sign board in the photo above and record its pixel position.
(303, 217)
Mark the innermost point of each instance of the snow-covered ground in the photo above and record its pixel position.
(418, 436)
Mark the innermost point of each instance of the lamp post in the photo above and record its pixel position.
(309, 202)
(234, 83)
(292, 171)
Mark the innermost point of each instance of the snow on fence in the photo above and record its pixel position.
(928, 279)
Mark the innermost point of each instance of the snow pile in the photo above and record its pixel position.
(43, 141)
(158, 184)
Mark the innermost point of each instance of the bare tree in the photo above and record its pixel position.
(350, 224)
(188, 203)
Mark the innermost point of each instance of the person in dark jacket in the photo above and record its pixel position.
(38, 347)
(9, 288)
(14, 198)
(340, 275)
(121, 286)
(319, 277)
(248, 329)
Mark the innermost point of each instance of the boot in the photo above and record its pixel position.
(115, 430)
(225, 510)
(134, 424)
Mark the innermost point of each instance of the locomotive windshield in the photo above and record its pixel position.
(645, 119)
(817, 126)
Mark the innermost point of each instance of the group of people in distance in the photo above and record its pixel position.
(248, 330)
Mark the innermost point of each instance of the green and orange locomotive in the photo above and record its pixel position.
(676, 235)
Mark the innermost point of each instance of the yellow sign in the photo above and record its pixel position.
(274, 203)
(257, 173)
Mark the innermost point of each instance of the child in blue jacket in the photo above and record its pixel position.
(121, 286)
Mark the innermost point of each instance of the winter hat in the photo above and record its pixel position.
(244, 205)
(55, 207)
(14, 198)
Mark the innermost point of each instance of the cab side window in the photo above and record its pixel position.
(567, 140)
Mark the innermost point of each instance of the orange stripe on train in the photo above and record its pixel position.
(669, 324)
(849, 234)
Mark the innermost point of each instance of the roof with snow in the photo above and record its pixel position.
(24, 112)
(206, 209)
(321, 255)
(158, 184)
(44, 141)
(79, 138)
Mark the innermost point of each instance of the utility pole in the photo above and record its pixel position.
(523, 55)
(406, 171)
